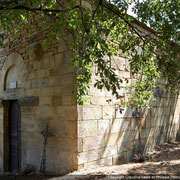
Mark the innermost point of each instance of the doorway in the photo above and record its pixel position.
(14, 123)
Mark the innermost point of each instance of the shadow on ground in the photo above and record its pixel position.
(165, 159)
(156, 169)
(5, 177)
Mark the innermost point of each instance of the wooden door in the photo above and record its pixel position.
(14, 136)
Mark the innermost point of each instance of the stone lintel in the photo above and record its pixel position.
(25, 101)
(28, 101)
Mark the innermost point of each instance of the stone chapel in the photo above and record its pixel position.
(36, 88)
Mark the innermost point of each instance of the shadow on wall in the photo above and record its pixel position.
(135, 132)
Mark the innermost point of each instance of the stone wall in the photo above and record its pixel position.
(44, 91)
(109, 136)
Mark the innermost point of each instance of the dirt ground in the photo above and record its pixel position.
(162, 163)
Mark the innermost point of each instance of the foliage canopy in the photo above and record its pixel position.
(103, 28)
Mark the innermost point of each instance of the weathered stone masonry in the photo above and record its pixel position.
(92, 134)
(107, 136)
(44, 92)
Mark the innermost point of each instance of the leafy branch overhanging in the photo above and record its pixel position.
(103, 29)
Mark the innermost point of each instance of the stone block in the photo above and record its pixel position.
(118, 125)
(176, 118)
(113, 139)
(28, 109)
(107, 151)
(88, 156)
(67, 112)
(54, 81)
(45, 101)
(57, 100)
(101, 162)
(148, 122)
(29, 123)
(46, 112)
(177, 111)
(96, 92)
(147, 149)
(103, 127)
(151, 132)
(168, 110)
(48, 53)
(87, 128)
(37, 83)
(119, 159)
(63, 90)
(41, 73)
(123, 147)
(126, 112)
(32, 156)
(67, 79)
(27, 85)
(91, 112)
(30, 66)
(46, 63)
(55, 71)
(149, 141)
(94, 142)
(129, 156)
(52, 61)
(32, 92)
(59, 59)
(47, 91)
(118, 63)
(80, 145)
(128, 136)
(37, 65)
(178, 102)
(133, 124)
(65, 144)
(126, 74)
(108, 112)
(68, 55)
(63, 46)
(64, 128)
(67, 161)
(69, 100)
(65, 68)
(99, 100)
(145, 133)
(156, 111)
(81, 166)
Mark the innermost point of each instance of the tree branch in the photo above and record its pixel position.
(32, 9)
(111, 8)
(40, 9)
(100, 2)
(82, 19)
